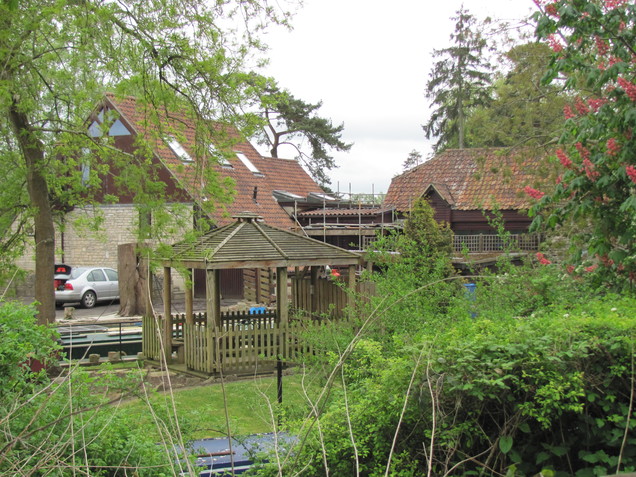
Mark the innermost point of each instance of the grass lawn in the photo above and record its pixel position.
(199, 411)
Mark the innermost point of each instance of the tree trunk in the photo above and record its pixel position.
(133, 283)
(33, 152)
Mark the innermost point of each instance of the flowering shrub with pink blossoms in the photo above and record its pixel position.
(594, 44)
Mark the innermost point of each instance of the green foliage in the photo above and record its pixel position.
(593, 44)
(523, 111)
(492, 394)
(22, 342)
(458, 82)
(417, 283)
(289, 119)
(57, 428)
(59, 58)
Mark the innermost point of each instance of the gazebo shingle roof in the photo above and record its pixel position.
(248, 243)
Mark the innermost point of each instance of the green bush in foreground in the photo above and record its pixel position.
(550, 393)
(64, 427)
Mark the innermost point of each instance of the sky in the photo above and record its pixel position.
(368, 62)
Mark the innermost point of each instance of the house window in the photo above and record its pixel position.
(116, 129)
(253, 169)
(178, 149)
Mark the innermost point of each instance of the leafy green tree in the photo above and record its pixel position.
(458, 83)
(431, 239)
(524, 111)
(593, 45)
(289, 119)
(58, 57)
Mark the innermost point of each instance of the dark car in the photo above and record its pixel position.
(85, 285)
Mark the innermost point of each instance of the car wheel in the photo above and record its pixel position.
(89, 299)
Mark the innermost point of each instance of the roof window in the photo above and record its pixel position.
(253, 169)
(223, 161)
(178, 149)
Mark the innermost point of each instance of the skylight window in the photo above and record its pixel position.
(178, 149)
(253, 169)
(218, 156)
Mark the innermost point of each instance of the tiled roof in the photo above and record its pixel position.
(469, 179)
(334, 212)
(253, 192)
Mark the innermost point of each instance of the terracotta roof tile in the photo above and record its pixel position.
(253, 192)
(472, 178)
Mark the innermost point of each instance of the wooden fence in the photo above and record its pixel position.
(483, 243)
(329, 299)
(243, 344)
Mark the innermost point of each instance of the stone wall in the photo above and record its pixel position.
(80, 244)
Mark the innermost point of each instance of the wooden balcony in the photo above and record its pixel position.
(483, 243)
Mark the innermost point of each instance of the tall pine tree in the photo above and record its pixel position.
(459, 81)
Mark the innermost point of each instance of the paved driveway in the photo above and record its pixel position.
(98, 311)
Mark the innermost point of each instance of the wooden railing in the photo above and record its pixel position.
(243, 344)
(483, 243)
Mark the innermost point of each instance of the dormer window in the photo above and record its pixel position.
(247, 163)
(178, 149)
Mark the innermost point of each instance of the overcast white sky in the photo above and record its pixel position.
(368, 61)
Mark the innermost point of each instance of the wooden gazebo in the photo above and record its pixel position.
(213, 343)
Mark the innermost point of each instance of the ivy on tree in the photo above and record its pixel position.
(459, 81)
(593, 45)
(289, 120)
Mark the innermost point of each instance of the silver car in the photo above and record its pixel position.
(86, 285)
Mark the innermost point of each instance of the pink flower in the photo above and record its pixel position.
(552, 9)
(568, 113)
(612, 4)
(570, 269)
(555, 43)
(583, 151)
(542, 259)
(628, 87)
(613, 148)
(631, 173)
(601, 45)
(591, 173)
(596, 103)
(613, 60)
(581, 107)
(534, 193)
(591, 268)
(563, 158)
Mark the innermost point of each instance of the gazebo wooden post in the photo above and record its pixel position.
(167, 319)
(213, 322)
(351, 278)
(282, 299)
(282, 316)
(313, 298)
(189, 298)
